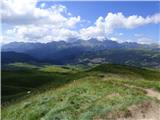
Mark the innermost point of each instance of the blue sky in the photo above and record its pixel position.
(142, 21)
(101, 8)
(92, 10)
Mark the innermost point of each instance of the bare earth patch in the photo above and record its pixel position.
(145, 111)
(153, 93)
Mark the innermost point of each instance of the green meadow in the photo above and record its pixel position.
(49, 92)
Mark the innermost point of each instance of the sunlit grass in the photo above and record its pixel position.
(23, 65)
(91, 94)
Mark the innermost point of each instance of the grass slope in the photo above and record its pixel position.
(90, 94)
(19, 78)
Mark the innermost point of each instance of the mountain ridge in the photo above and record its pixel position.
(78, 51)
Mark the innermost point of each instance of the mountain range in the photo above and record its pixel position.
(74, 51)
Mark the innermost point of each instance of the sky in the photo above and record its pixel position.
(46, 21)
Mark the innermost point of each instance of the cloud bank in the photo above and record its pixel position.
(30, 23)
(25, 12)
(113, 21)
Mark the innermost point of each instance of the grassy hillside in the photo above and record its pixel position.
(19, 78)
(76, 94)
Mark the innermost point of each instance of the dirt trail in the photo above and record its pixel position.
(149, 92)
(153, 93)
(145, 111)
(149, 110)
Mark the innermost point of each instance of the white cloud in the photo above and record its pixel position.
(106, 26)
(29, 23)
(114, 38)
(118, 20)
(73, 21)
(146, 40)
(120, 34)
(44, 33)
(42, 5)
(23, 12)
(96, 31)
(143, 39)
